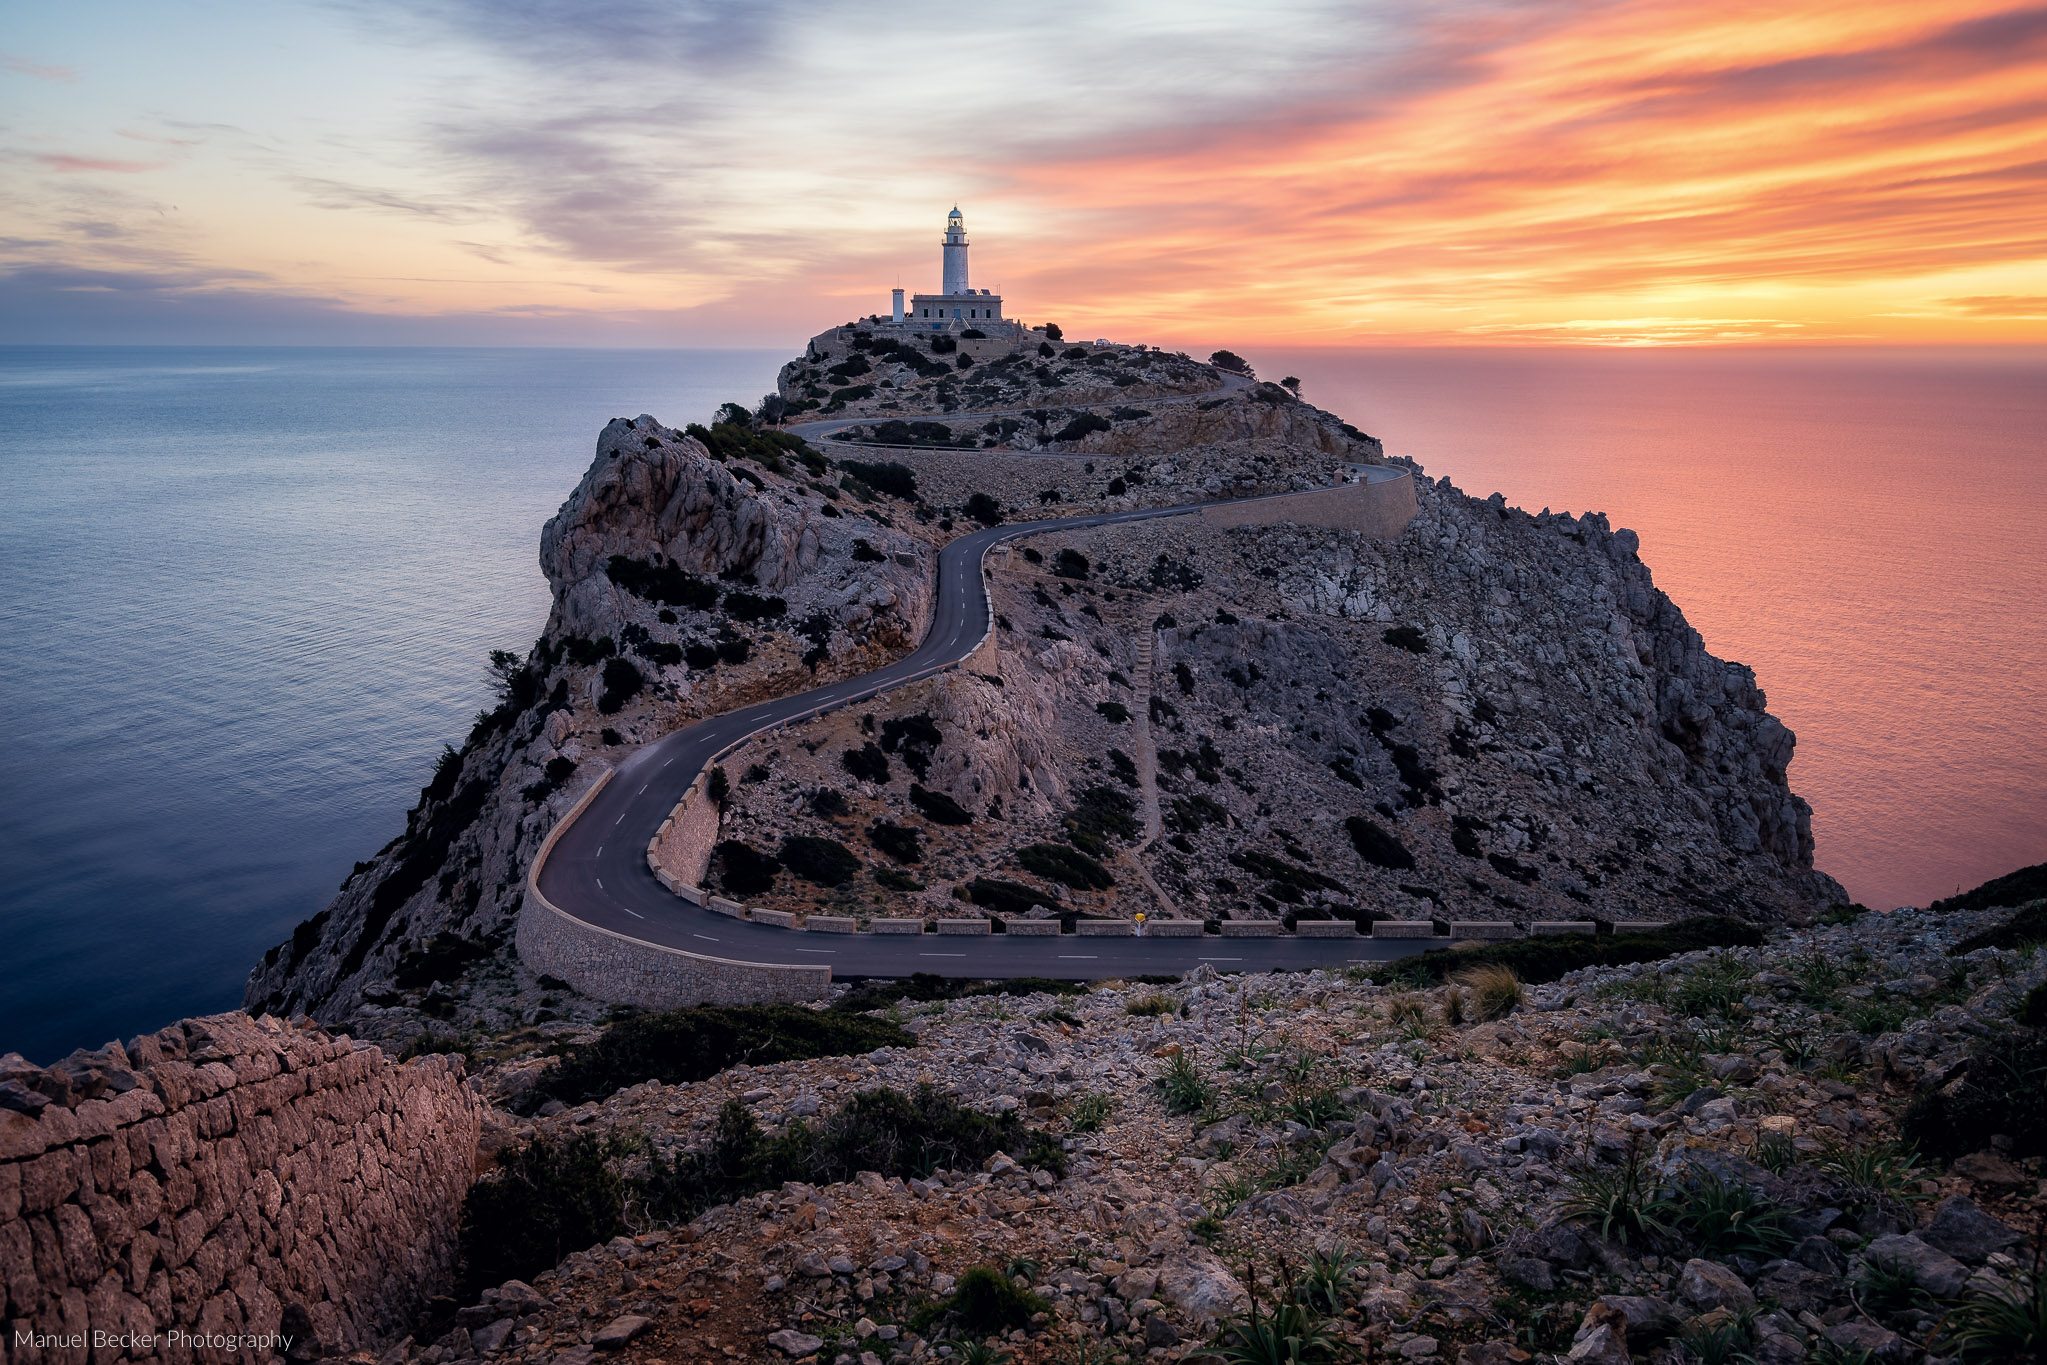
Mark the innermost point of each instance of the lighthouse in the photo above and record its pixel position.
(957, 306)
(955, 273)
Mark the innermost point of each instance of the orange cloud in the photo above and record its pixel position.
(1741, 174)
(64, 161)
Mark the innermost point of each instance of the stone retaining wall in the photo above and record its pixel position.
(230, 1175)
(630, 971)
(1381, 509)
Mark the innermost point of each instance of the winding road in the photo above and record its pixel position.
(597, 869)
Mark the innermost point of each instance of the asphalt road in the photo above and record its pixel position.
(598, 869)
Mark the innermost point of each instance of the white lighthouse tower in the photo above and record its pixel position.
(955, 275)
(957, 306)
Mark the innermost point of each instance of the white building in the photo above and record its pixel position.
(957, 307)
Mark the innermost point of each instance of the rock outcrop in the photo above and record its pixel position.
(1488, 715)
(692, 571)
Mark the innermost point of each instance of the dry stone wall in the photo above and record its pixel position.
(224, 1179)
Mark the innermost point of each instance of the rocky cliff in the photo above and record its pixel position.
(1490, 715)
(692, 571)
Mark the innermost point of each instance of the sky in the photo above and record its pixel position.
(748, 172)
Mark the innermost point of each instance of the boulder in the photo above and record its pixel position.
(1707, 1285)
(1930, 1268)
(1966, 1232)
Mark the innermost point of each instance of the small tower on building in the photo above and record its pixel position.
(955, 274)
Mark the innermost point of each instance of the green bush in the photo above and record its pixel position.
(662, 583)
(542, 1202)
(1081, 426)
(1375, 845)
(983, 508)
(622, 682)
(924, 987)
(939, 808)
(1006, 897)
(868, 763)
(899, 842)
(2013, 888)
(1536, 960)
(747, 606)
(1066, 865)
(889, 477)
(1407, 638)
(1100, 814)
(686, 1045)
(1182, 1088)
(2003, 1089)
(2027, 927)
(744, 870)
(821, 861)
(986, 1301)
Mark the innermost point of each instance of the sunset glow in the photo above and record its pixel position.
(1616, 173)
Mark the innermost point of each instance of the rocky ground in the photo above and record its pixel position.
(1692, 1159)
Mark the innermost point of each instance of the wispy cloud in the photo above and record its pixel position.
(1619, 172)
(22, 66)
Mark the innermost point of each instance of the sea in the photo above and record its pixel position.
(248, 593)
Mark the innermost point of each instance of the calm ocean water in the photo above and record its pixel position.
(249, 593)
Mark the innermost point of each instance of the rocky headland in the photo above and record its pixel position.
(1781, 1128)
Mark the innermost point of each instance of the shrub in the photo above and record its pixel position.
(1006, 897)
(923, 987)
(2003, 1089)
(1070, 564)
(1288, 1333)
(1151, 1005)
(542, 1202)
(1407, 638)
(986, 1302)
(939, 808)
(1115, 712)
(663, 584)
(888, 1131)
(1619, 1202)
(1231, 361)
(1536, 960)
(1375, 845)
(2000, 1322)
(1052, 331)
(1080, 426)
(1182, 1088)
(622, 682)
(899, 842)
(744, 870)
(1717, 1218)
(1066, 865)
(2028, 926)
(1100, 814)
(1494, 991)
(2013, 888)
(687, 1045)
(1090, 1112)
(1716, 986)
(747, 606)
(866, 553)
(889, 477)
(868, 763)
(820, 861)
(983, 508)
